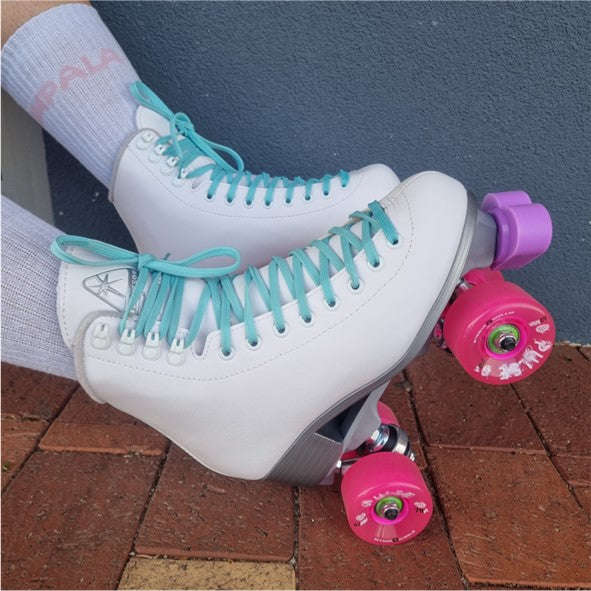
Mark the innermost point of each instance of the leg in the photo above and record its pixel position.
(15, 13)
(30, 332)
(66, 69)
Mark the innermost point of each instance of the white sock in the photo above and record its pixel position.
(67, 70)
(31, 335)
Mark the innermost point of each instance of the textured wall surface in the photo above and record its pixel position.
(494, 94)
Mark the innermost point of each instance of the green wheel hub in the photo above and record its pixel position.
(503, 339)
(389, 508)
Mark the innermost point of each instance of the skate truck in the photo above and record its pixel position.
(303, 348)
(498, 333)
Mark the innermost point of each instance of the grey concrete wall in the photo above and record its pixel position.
(494, 94)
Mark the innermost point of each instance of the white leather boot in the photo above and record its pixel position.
(251, 375)
(178, 195)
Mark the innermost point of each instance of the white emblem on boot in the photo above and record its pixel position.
(112, 286)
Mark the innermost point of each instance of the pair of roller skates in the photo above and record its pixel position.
(277, 372)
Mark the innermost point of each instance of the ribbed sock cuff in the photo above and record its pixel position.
(67, 70)
(31, 335)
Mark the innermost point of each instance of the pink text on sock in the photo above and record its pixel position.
(46, 94)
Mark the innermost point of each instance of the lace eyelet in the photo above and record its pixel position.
(141, 144)
(256, 346)
(325, 193)
(126, 345)
(177, 182)
(160, 149)
(176, 355)
(288, 203)
(151, 350)
(309, 322)
(166, 170)
(172, 161)
(151, 353)
(154, 157)
(229, 201)
(377, 267)
(307, 197)
(209, 197)
(335, 306)
(248, 204)
(360, 287)
(226, 356)
(283, 333)
(267, 205)
(396, 244)
(101, 338)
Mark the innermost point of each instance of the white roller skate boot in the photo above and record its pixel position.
(177, 194)
(277, 373)
(244, 372)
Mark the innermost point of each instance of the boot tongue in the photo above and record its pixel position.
(146, 118)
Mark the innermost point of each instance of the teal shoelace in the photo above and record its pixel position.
(164, 295)
(192, 145)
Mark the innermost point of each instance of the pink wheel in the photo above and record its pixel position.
(387, 415)
(498, 332)
(386, 499)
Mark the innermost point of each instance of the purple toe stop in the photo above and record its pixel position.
(524, 229)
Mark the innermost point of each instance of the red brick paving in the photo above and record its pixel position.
(456, 411)
(586, 351)
(69, 519)
(583, 495)
(575, 470)
(85, 425)
(94, 502)
(512, 519)
(558, 397)
(32, 394)
(197, 513)
(18, 441)
(332, 557)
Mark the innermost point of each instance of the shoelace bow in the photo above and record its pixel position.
(164, 296)
(192, 145)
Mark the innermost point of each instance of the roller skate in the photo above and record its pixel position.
(277, 373)
(177, 194)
